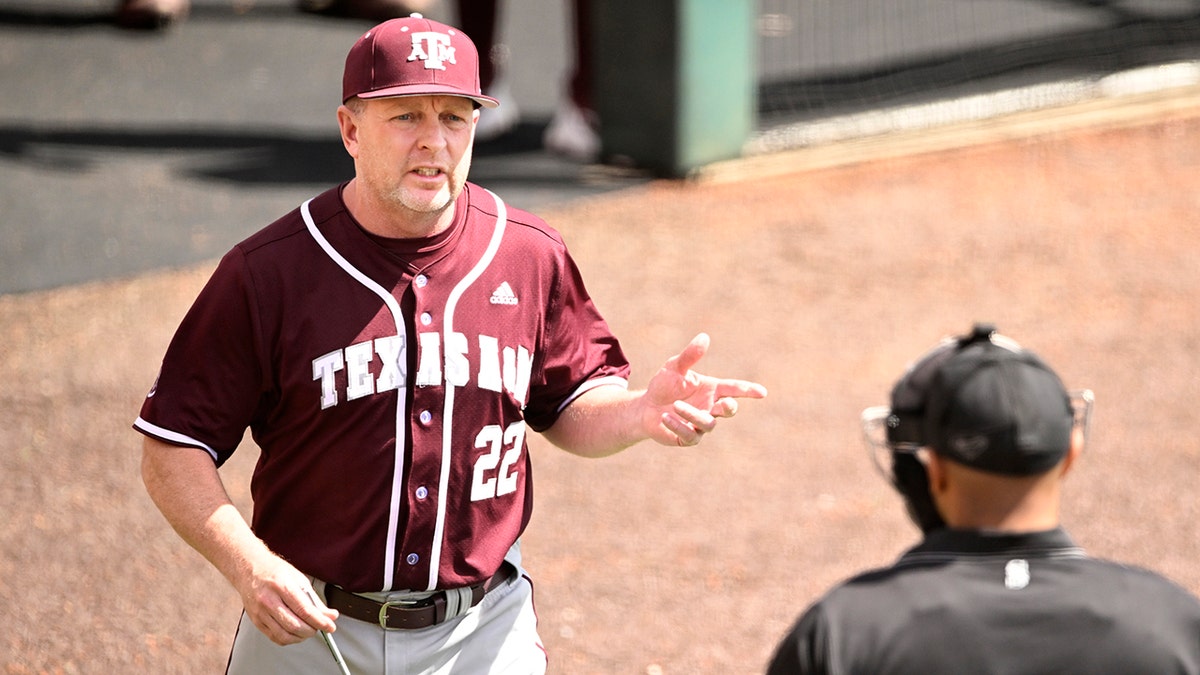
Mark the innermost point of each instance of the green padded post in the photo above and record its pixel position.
(674, 81)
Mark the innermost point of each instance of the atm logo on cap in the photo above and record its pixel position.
(432, 48)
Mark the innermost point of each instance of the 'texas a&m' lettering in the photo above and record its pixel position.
(498, 369)
(433, 48)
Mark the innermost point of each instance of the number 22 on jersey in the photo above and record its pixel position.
(495, 470)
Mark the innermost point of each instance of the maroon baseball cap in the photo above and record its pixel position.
(413, 56)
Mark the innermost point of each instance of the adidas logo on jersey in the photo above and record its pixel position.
(503, 295)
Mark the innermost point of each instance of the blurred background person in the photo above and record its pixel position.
(158, 14)
(574, 129)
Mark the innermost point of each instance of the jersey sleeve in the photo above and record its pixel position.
(804, 651)
(210, 382)
(579, 351)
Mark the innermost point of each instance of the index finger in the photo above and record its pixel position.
(315, 613)
(740, 389)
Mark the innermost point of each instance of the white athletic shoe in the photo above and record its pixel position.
(573, 132)
(495, 122)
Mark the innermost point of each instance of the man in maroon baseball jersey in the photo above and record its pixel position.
(389, 344)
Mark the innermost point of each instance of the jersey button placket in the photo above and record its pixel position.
(424, 419)
(419, 282)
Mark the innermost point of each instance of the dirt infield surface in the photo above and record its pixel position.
(822, 284)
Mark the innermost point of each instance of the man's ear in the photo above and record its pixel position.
(1073, 452)
(348, 124)
(936, 468)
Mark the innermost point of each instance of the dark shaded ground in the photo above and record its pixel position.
(821, 285)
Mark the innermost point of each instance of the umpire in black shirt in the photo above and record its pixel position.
(978, 438)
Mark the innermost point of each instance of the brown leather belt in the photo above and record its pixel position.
(406, 615)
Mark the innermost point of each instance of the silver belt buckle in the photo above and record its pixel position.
(383, 610)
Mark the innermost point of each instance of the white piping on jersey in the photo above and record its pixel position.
(173, 436)
(389, 559)
(439, 527)
(592, 384)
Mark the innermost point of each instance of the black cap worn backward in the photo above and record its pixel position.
(983, 401)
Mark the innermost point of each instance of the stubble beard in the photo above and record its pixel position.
(401, 197)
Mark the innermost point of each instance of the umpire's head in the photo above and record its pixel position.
(979, 432)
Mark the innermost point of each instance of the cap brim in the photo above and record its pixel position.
(429, 90)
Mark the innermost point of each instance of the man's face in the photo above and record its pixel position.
(412, 152)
